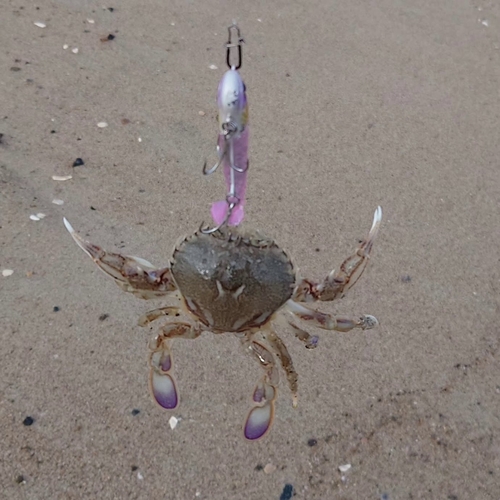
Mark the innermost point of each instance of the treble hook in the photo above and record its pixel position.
(231, 204)
(216, 166)
(230, 45)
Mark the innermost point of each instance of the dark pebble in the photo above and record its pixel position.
(259, 467)
(78, 162)
(92, 208)
(104, 316)
(28, 421)
(1, 138)
(287, 492)
(56, 309)
(135, 412)
(134, 468)
(385, 496)
(20, 479)
(111, 9)
(111, 37)
(312, 442)
(52, 131)
(406, 278)
(15, 68)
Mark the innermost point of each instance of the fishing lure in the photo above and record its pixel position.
(232, 142)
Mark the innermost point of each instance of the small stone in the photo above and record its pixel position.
(269, 468)
(103, 317)
(28, 421)
(287, 493)
(111, 9)
(102, 124)
(135, 412)
(213, 66)
(78, 162)
(125, 121)
(56, 309)
(406, 278)
(134, 468)
(259, 467)
(111, 36)
(34, 217)
(7, 272)
(40, 215)
(345, 467)
(15, 68)
(312, 442)
(65, 46)
(20, 479)
(201, 113)
(40, 24)
(90, 21)
(139, 139)
(173, 422)
(75, 50)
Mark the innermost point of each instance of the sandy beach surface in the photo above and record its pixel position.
(352, 105)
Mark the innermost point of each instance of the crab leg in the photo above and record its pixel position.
(330, 322)
(132, 274)
(310, 341)
(286, 362)
(337, 283)
(153, 315)
(161, 381)
(261, 416)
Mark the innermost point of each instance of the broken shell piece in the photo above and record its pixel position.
(173, 422)
(39, 24)
(269, 468)
(65, 46)
(344, 468)
(213, 66)
(75, 50)
(90, 21)
(62, 177)
(55, 201)
(7, 272)
(102, 124)
(34, 217)
(40, 215)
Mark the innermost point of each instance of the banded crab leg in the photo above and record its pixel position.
(153, 315)
(330, 322)
(131, 274)
(161, 381)
(283, 355)
(261, 416)
(337, 283)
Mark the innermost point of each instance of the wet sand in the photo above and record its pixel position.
(352, 105)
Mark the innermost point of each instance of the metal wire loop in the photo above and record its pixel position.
(231, 45)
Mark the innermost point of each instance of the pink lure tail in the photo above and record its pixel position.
(236, 181)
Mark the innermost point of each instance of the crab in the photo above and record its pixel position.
(240, 282)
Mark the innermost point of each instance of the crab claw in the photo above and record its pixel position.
(132, 274)
(162, 384)
(164, 390)
(260, 418)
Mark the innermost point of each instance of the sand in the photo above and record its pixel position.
(352, 105)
